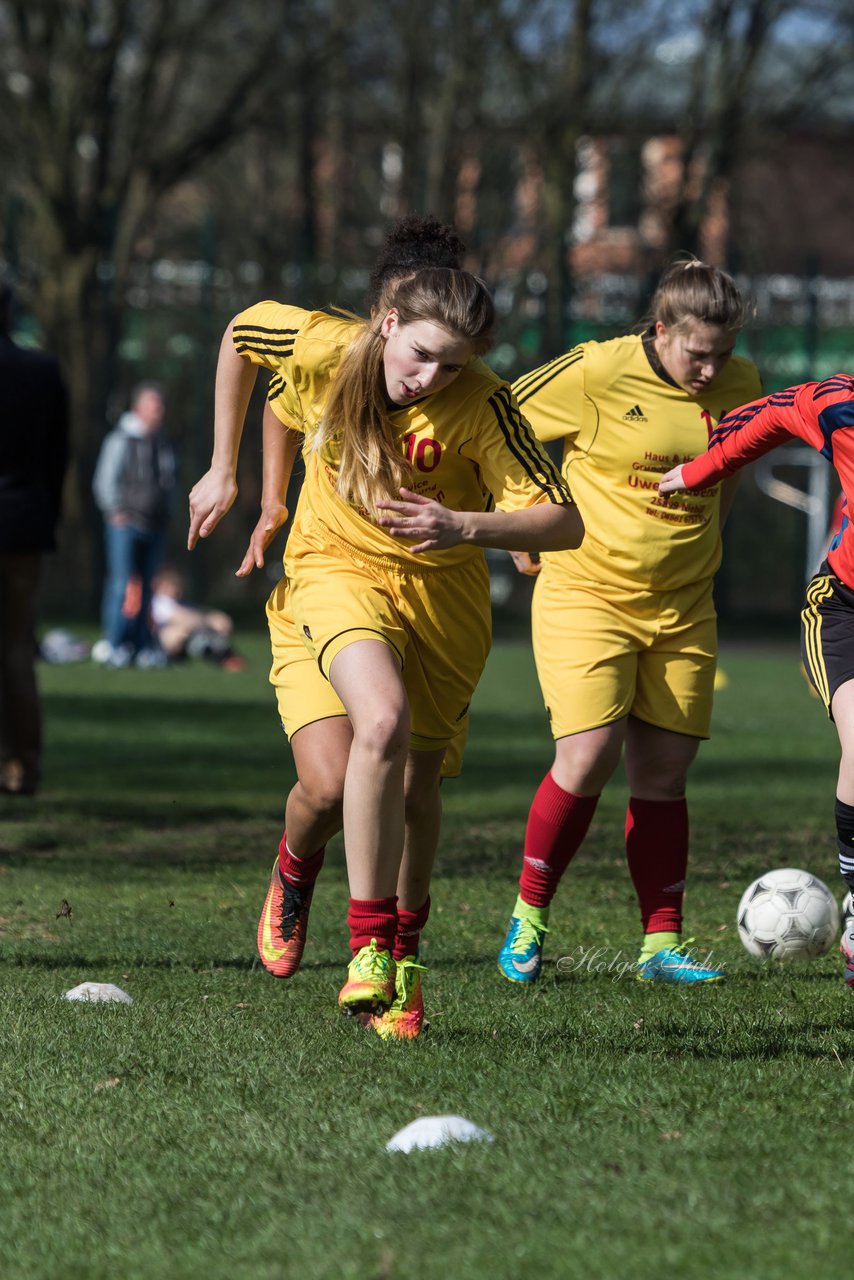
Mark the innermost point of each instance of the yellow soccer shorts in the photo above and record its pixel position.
(437, 623)
(650, 654)
(303, 695)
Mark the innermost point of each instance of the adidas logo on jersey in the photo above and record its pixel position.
(635, 414)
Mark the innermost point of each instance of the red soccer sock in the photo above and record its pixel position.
(372, 918)
(409, 926)
(299, 871)
(557, 825)
(657, 853)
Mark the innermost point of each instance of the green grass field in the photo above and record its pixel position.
(229, 1126)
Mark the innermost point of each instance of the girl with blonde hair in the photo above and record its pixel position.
(416, 459)
(624, 626)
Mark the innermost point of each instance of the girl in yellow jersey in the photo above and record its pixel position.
(312, 714)
(416, 458)
(624, 626)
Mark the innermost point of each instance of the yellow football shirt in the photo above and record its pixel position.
(624, 423)
(469, 446)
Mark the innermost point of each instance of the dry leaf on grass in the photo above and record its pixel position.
(109, 1083)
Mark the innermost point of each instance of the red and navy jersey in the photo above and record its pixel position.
(820, 413)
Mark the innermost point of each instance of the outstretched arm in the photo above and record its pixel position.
(281, 445)
(808, 412)
(547, 526)
(212, 496)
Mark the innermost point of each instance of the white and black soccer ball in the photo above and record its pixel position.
(788, 915)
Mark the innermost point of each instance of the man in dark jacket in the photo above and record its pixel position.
(134, 485)
(33, 458)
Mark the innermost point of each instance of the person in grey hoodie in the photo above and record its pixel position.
(134, 486)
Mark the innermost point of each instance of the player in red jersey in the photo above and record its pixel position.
(822, 414)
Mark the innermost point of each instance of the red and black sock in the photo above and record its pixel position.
(301, 872)
(557, 824)
(409, 927)
(372, 918)
(657, 853)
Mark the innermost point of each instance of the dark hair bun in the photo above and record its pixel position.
(415, 241)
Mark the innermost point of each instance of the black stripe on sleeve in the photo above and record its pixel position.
(741, 417)
(262, 340)
(263, 347)
(529, 384)
(536, 465)
(277, 384)
(538, 454)
(261, 328)
(839, 382)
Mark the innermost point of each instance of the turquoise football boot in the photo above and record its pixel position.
(676, 965)
(521, 957)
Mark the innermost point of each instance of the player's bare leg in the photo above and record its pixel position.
(423, 809)
(842, 708)
(314, 809)
(657, 761)
(367, 678)
(404, 1020)
(585, 761)
(313, 815)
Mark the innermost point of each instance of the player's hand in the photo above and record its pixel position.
(210, 499)
(429, 524)
(672, 482)
(269, 524)
(525, 562)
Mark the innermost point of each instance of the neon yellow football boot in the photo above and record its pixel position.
(404, 1019)
(370, 981)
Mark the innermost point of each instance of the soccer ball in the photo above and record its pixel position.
(788, 915)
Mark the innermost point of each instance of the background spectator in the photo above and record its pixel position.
(134, 485)
(186, 630)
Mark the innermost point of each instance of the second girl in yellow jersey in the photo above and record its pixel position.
(624, 626)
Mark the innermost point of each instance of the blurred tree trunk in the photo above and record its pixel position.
(453, 106)
(307, 202)
(338, 108)
(566, 123)
(413, 25)
(112, 107)
(734, 35)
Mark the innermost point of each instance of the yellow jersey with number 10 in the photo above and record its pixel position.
(469, 446)
(624, 423)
